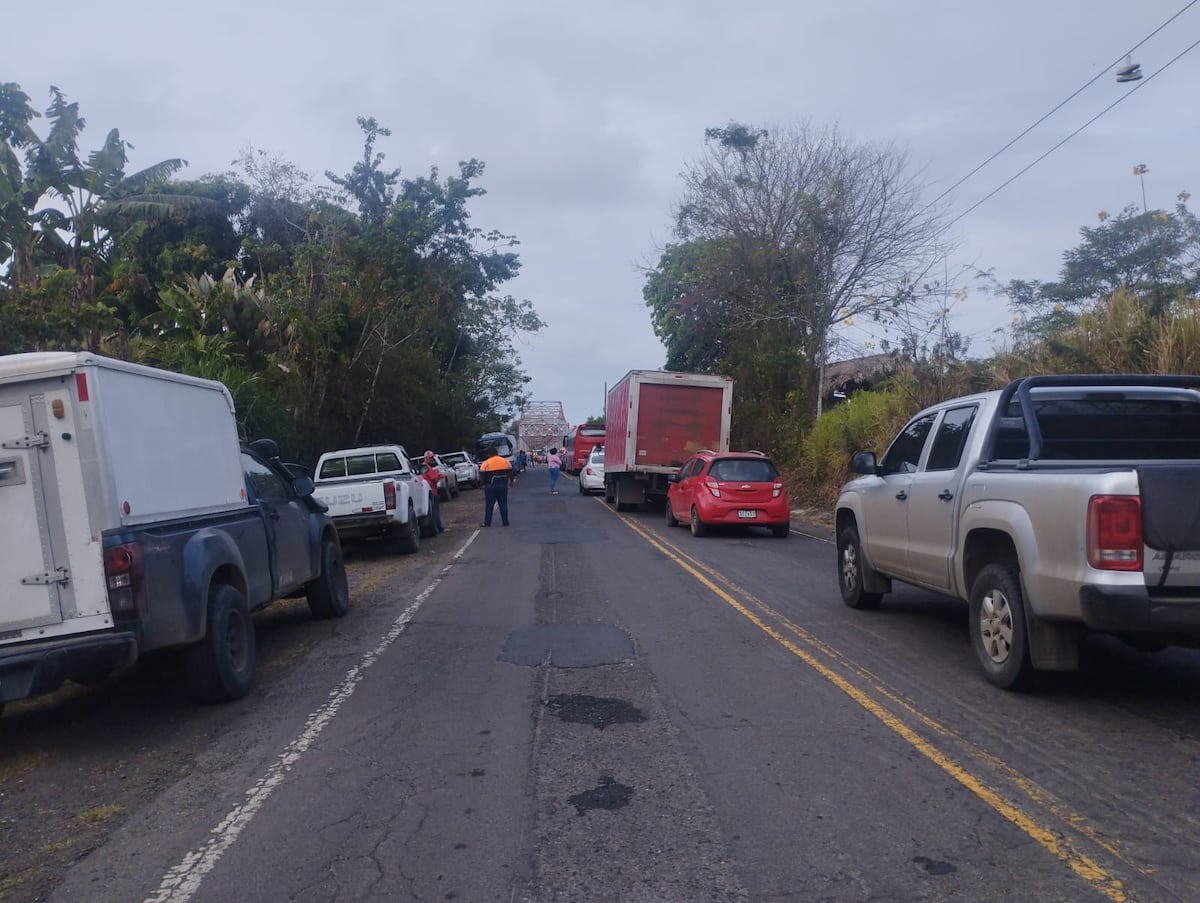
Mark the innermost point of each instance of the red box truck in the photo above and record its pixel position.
(654, 421)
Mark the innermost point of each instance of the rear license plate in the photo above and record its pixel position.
(747, 514)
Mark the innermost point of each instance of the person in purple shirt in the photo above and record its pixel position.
(555, 462)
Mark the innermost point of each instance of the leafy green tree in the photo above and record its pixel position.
(782, 234)
(1155, 255)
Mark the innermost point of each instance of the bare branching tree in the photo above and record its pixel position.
(804, 229)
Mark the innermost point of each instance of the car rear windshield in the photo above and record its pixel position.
(455, 458)
(598, 456)
(743, 470)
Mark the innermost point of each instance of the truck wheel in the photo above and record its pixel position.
(999, 634)
(221, 666)
(699, 527)
(672, 520)
(329, 595)
(609, 491)
(409, 538)
(850, 572)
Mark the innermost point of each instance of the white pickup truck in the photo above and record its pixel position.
(375, 491)
(1057, 505)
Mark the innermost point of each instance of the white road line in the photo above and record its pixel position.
(182, 882)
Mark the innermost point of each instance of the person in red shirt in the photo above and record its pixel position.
(433, 476)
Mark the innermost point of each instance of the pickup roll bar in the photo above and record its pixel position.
(1023, 387)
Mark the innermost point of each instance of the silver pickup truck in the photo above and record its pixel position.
(1056, 505)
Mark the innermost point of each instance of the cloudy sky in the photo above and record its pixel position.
(585, 114)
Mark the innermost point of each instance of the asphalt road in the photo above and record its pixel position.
(593, 706)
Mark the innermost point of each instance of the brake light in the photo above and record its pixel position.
(776, 489)
(389, 495)
(125, 577)
(714, 487)
(1114, 532)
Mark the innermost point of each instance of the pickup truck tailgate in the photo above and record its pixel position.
(1171, 524)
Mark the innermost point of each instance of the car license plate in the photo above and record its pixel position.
(747, 514)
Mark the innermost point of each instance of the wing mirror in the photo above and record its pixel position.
(864, 463)
(303, 486)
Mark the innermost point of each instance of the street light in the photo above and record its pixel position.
(1140, 171)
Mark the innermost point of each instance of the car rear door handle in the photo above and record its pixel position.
(902, 495)
(945, 495)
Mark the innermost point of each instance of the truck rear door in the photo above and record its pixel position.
(34, 565)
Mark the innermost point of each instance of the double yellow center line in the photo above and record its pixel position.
(920, 731)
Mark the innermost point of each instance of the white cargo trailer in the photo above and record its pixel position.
(89, 444)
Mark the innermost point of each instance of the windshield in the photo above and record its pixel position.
(455, 458)
(743, 470)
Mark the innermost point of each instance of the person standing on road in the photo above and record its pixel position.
(433, 476)
(498, 475)
(521, 461)
(555, 462)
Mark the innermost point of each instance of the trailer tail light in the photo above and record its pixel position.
(1114, 532)
(125, 577)
(714, 487)
(776, 489)
(389, 495)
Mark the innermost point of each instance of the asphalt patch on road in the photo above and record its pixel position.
(598, 711)
(609, 794)
(567, 645)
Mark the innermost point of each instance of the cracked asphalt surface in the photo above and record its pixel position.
(588, 707)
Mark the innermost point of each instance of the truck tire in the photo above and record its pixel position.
(699, 527)
(409, 537)
(999, 632)
(221, 666)
(850, 572)
(329, 595)
(672, 520)
(609, 491)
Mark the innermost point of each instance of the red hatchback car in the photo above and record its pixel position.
(742, 488)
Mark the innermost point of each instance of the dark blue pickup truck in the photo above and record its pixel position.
(132, 519)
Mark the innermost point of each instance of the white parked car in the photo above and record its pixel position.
(448, 485)
(591, 477)
(464, 466)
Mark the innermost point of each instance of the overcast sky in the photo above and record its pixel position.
(585, 115)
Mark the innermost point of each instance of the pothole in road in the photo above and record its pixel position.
(598, 711)
(609, 794)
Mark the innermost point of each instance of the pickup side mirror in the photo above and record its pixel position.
(864, 463)
(303, 486)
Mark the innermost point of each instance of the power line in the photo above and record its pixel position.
(1092, 81)
(1119, 100)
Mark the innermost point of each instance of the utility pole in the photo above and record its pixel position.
(1140, 171)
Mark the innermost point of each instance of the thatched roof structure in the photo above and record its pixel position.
(857, 373)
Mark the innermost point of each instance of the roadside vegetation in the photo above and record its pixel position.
(788, 238)
(345, 313)
(335, 315)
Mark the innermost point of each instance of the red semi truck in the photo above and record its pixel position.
(654, 421)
